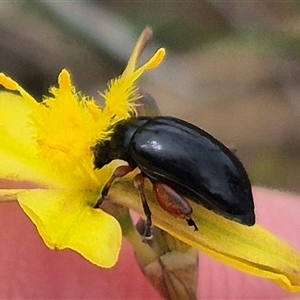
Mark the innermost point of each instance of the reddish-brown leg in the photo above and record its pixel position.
(173, 203)
(119, 172)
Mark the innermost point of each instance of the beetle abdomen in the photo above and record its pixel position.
(180, 154)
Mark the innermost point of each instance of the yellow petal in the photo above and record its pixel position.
(65, 220)
(17, 163)
(19, 159)
(15, 120)
(250, 249)
(8, 195)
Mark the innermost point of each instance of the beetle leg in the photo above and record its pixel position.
(139, 183)
(119, 172)
(173, 203)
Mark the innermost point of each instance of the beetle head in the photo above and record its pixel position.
(102, 154)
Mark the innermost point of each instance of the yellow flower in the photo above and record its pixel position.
(49, 143)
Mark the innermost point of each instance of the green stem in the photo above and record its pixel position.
(143, 251)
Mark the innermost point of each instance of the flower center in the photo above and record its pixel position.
(68, 125)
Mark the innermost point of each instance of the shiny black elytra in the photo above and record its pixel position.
(181, 160)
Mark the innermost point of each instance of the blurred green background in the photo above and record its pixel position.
(232, 67)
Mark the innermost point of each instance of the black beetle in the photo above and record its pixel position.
(181, 160)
